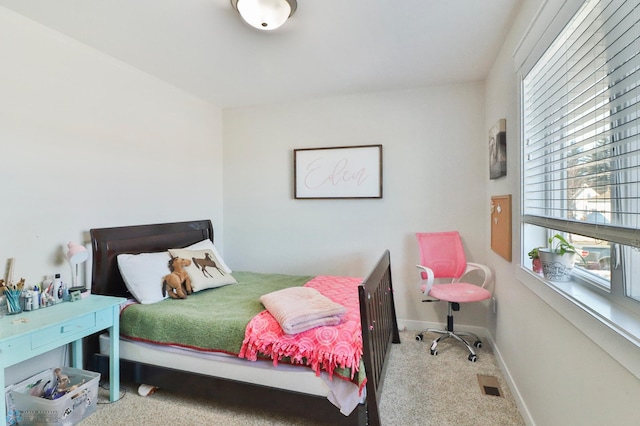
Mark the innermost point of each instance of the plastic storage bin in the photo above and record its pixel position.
(67, 410)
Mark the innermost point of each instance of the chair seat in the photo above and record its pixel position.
(459, 292)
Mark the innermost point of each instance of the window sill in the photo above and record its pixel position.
(612, 327)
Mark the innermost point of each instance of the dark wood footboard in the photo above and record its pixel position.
(377, 312)
(379, 330)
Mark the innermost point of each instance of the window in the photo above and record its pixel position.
(581, 146)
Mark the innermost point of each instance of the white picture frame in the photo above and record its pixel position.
(338, 172)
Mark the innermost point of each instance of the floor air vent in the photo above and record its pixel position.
(489, 385)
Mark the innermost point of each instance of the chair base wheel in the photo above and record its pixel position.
(462, 337)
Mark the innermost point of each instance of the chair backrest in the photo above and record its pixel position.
(443, 253)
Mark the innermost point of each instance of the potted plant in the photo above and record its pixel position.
(558, 259)
(536, 265)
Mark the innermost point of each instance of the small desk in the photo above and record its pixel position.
(49, 328)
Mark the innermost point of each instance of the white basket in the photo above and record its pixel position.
(67, 410)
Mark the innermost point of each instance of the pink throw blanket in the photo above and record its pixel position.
(299, 309)
(322, 348)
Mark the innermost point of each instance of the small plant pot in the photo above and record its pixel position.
(556, 267)
(536, 265)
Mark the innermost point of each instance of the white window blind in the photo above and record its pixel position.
(581, 105)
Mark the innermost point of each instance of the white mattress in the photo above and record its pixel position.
(340, 392)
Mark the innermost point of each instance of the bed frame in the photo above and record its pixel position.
(377, 312)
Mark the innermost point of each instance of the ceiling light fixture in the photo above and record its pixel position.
(265, 14)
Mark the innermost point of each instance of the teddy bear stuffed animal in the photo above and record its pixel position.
(177, 283)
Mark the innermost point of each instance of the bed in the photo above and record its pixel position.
(275, 393)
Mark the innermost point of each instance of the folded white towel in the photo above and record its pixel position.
(298, 309)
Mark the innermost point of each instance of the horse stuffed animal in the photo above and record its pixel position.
(177, 282)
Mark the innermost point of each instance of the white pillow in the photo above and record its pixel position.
(208, 244)
(142, 274)
(205, 270)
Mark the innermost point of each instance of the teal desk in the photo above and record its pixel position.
(32, 333)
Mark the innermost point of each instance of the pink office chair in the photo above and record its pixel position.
(442, 256)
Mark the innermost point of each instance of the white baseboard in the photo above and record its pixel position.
(522, 406)
(484, 334)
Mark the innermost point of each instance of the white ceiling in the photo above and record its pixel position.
(328, 47)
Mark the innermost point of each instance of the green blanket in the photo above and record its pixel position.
(213, 319)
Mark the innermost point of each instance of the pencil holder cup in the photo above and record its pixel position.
(13, 301)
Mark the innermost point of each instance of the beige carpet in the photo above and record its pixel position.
(419, 389)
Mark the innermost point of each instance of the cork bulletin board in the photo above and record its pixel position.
(501, 225)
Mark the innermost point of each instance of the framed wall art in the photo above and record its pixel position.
(498, 150)
(338, 172)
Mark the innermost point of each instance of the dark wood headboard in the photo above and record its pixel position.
(108, 243)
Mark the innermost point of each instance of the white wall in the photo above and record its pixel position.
(86, 142)
(435, 172)
(562, 376)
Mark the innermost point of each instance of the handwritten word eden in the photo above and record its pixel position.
(319, 174)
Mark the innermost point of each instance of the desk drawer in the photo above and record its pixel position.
(60, 331)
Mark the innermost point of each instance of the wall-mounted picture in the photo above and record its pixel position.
(338, 172)
(498, 149)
